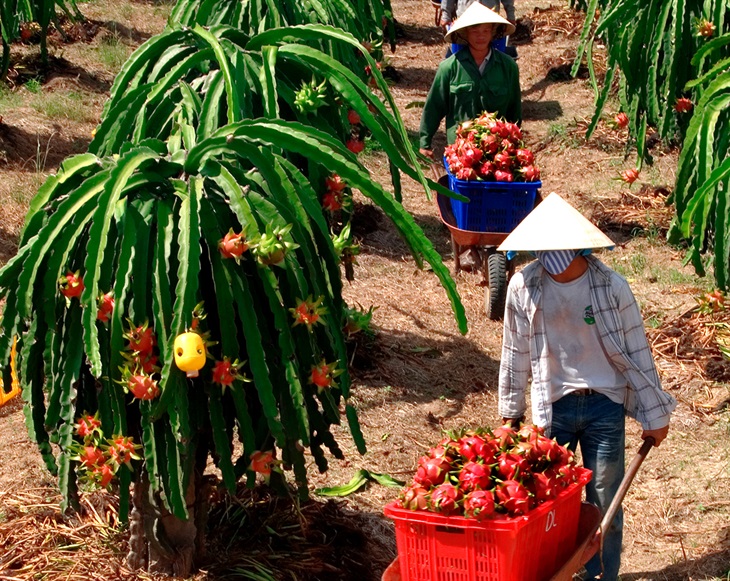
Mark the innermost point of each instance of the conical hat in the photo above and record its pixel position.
(477, 13)
(555, 225)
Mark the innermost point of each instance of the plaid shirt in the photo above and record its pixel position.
(525, 351)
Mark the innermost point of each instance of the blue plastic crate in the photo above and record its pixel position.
(493, 206)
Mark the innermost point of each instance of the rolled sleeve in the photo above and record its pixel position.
(654, 405)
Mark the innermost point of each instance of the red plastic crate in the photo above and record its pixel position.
(433, 547)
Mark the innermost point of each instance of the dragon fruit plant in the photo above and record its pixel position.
(486, 474)
(370, 21)
(490, 149)
(204, 184)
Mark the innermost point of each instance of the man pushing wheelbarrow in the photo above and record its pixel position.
(573, 328)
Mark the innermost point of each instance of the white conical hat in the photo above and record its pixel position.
(477, 13)
(555, 225)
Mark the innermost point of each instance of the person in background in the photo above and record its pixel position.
(472, 81)
(572, 326)
(453, 9)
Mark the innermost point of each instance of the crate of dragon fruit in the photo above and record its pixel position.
(489, 164)
(484, 505)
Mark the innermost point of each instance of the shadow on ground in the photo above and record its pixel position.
(33, 151)
(426, 367)
(714, 565)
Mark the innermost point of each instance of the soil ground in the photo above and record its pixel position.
(420, 376)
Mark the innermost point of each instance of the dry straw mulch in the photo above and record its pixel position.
(251, 535)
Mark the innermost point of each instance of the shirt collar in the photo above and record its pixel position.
(485, 61)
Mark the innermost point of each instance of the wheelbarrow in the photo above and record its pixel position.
(496, 269)
(590, 525)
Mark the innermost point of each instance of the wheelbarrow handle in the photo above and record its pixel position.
(626, 482)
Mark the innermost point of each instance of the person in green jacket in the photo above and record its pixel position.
(474, 80)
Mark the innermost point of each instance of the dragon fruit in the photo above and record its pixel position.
(473, 447)
(486, 474)
(505, 436)
(511, 466)
(445, 499)
(475, 476)
(479, 504)
(431, 471)
(513, 497)
(490, 149)
(415, 497)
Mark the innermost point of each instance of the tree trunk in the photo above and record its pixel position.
(159, 541)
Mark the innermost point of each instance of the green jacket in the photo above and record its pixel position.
(459, 93)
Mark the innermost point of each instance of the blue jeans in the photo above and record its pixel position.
(596, 424)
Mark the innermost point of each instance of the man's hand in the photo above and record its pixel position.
(427, 152)
(513, 422)
(658, 435)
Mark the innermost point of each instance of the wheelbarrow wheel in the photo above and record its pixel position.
(495, 293)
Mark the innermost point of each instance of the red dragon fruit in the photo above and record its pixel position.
(415, 497)
(630, 175)
(92, 456)
(503, 161)
(504, 176)
(474, 475)
(105, 306)
(473, 447)
(482, 474)
(513, 497)
(544, 486)
(445, 499)
(508, 147)
(446, 449)
(431, 471)
(621, 120)
(530, 432)
(503, 129)
(486, 170)
(515, 133)
(489, 143)
(466, 173)
(530, 173)
(488, 140)
(479, 504)
(505, 436)
(471, 155)
(683, 105)
(143, 387)
(511, 466)
(525, 157)
(71, 285)
(544, 450)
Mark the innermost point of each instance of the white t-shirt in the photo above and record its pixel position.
(577, 359)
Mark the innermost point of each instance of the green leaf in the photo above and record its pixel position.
(187, 277)
(359, 480)
(268, 82)
(223, 63)
(98, 237)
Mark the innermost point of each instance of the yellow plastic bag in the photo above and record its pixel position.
(15, 383)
